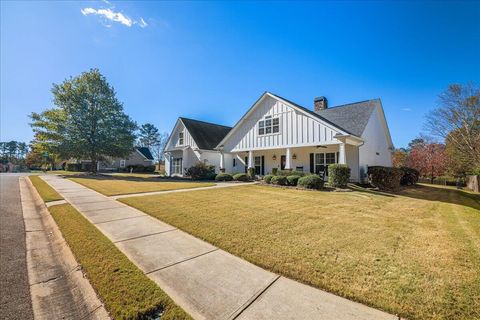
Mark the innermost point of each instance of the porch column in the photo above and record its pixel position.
(342, 158)
(288, 159)
(250, 159)
(222, 162)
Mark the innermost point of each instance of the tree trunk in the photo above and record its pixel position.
(94, 162)
(431, 177)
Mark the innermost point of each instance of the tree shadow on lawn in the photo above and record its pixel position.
(431, 193)
(134, 178)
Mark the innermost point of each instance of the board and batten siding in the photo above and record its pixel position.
(296, 129)
(187, 138)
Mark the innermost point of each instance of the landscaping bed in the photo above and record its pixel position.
(126, 292)
(414, 253)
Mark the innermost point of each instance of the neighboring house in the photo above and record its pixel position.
(192, 141)
(277, 133)
(140, 156)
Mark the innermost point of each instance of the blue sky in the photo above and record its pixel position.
(212, 60)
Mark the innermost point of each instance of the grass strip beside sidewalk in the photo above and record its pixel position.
(46, 192)
(126, 292)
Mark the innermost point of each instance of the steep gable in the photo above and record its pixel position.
(206, 135)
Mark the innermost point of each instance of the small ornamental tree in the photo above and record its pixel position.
(430, 159)
(87, 122)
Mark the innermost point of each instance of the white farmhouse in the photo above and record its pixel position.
(277, 133)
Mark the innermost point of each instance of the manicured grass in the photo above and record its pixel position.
(46, 192)
(416, 254)
(126, 292)
(111, 185)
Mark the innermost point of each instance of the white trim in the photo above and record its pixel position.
(384, 123)
(258, 102)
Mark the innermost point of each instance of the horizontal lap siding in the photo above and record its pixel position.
(296, 128)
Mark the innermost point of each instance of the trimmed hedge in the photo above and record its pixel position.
(385, 178)
(312, 181)
(410, 176)
(200, 171)
(279, 180)
(338, 175)
(241, 177)
(274, 171)
(224, 177)
(268, 178)
(287, 173)
(251, 173)
(139, 168)
(293, 180)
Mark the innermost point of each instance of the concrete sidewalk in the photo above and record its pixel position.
(207, 282)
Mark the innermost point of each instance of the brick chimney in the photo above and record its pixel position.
(320, 103)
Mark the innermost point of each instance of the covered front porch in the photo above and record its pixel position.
(308, 159)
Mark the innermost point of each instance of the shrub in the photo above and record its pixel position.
(138, 168)
(211, 176)
(150, 168)
(241, 177)
(200, 171)
(268, 178)
(279, 180)
(251, 173)
(385, 178)
(312, 181)
(293, 180)
(73, 167)
(224, 177)
(338, 175)
(274, 171)
(287, 173)
(410, 176)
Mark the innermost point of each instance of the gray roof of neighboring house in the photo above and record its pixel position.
(145, 152)
(352, 117)
(206, 135)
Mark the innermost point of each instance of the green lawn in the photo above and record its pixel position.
(46, 192)
(126, 292)
(115, 185)
(415, 254)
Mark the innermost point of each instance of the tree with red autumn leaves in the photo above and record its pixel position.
(429, 158)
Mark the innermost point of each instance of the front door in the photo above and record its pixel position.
(283, 161)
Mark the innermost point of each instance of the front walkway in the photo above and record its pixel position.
(207, 282)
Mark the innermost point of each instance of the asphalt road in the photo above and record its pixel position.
(15, 301)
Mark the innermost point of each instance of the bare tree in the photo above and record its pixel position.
(457, 119)
(157, 149)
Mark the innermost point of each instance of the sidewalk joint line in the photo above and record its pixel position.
(184, 260)
(123, 206)
(254, 298)
(146, 235)
(95, 223)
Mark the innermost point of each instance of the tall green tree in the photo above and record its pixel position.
(148, 136)
(456, 119)
(87, 122)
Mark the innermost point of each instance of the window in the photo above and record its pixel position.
(180, 138)
(269, 125)
(177, 166)
(122, 163)
(258, 165)
(322, 160)
(234, 162)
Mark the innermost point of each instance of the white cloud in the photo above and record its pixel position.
(406, 109)
(142, 23)
(110, 15)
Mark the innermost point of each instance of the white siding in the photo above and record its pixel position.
(375, 150)
(296, 129)
(174, 137)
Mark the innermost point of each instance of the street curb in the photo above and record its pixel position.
(58, 286)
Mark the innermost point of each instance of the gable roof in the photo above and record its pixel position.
(206, 135)
(144, 151)
(353, 117)
(314, 114)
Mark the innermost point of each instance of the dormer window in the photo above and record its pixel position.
(180, 138)
(268, 125)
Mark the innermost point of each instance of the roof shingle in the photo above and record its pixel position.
(206, 135)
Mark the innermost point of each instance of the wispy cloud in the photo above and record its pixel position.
(406, 109)
(109, 15)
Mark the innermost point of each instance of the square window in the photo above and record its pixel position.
(261, 131)
(268, 130)
(276, 129)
